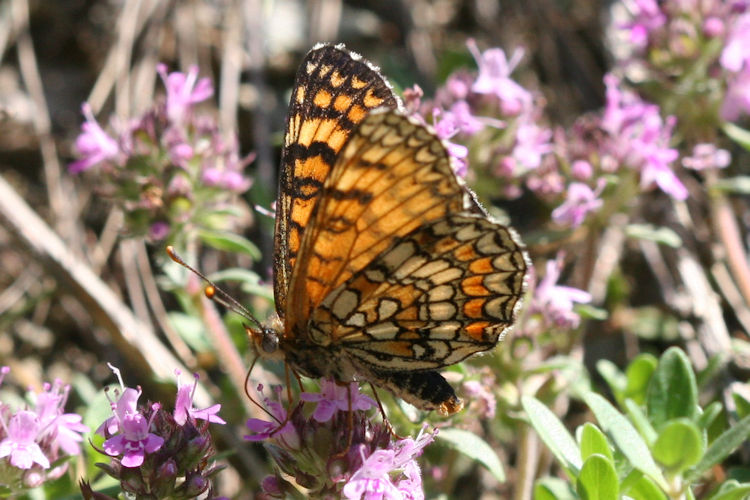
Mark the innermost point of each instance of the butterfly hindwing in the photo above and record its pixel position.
(334, 90)
(444, 292)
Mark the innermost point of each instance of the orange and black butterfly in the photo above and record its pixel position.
(385, 268)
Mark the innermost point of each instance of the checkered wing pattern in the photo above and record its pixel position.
(386, 268)
(333, 92)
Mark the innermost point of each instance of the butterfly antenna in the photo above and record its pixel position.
(213, 292)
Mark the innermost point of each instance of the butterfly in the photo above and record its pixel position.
(386, 269)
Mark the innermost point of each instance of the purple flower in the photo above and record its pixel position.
(20, 443)
(737, 99)
(555, 302)
(183, 90)
(494, 78)
(158, 231)
(334, 397)
(183, 406)
(736, 53)
(582, 170)
(579, 201)
(235, 182)
(647, 17)
(476, 391)
(639, 138)
(375, 478)
(446, 127)
(706, 156)
(263, 429)
(658, 172)
(532, 143)
(66, 428)
(713, 27)
(134, 440)
(413, 99)
(93, 144)
(372, 480)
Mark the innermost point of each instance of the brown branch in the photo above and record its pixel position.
(134, 339)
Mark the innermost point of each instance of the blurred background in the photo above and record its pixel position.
(86, 295)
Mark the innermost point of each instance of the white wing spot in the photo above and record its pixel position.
(387, 308)
(344, 304)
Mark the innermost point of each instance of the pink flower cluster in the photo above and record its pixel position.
(684, 35)
(128, 430)
(38, 435)
(156, 453)
(169, 166)
(358, 460)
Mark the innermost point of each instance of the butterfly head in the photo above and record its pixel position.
(266, 338)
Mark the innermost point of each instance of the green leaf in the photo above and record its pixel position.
(613, 376)
(553, 488)
(732, 490)
(737, 134)
(742, 404)
(587, 311)
(229, 242)
(593, 442)
(598, 479)
(661, 235)
(737, 185)
(625, 437)
(191, 329)
(554, 434)
(474, 447)
(709, 414)
(722, 447)
(673, 391)
(679, 446)
(639, 487)
(638, 375)
(249, 281)
(640, 421)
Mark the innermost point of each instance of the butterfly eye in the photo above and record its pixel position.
(270, 342)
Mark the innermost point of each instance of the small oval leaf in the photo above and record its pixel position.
(732, 490)
(737, 134)
(673, 391)
(643, 489)
(722, 446)
(553, 433)
(624, 435)
(229, 242)
(553, 488)
(598, 479)
(679, 446)
(593, 441)
(474, 447)
(638, 374)
(661, 235)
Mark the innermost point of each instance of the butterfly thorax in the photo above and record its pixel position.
(272, 341)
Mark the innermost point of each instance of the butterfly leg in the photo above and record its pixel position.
(382, 413)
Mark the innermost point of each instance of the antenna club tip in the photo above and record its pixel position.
(173, 254)
(210, 291)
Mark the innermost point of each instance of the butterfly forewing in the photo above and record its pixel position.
(393, 177)
(334, 90)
